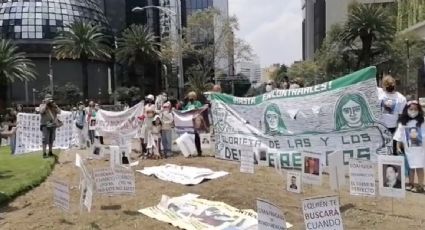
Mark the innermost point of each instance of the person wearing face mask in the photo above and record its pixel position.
(146, 122)
(269, 86)
(91, 116)
(192, 102)
(409, 136)
(392, 103)
(167, 119)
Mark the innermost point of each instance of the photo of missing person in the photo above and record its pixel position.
(413, 137)
(124, 159)
(293, 181)
(293, 184)
(391, 176)
(388, 106)
(311, 165)
(263, 155)
(93, 122)
(205, 141)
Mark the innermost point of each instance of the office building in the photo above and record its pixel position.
(32, 25)
(251, 69)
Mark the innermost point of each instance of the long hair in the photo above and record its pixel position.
(366, 115)
(404, 117)
(281, 125)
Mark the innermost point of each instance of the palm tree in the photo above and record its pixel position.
(135, 47)
(13, 66)
(198, 80)
(84, 41)
(372, 25)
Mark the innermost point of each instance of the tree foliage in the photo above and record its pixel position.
(68, 93)
(307, 70)
(13, 64)
(130, 95)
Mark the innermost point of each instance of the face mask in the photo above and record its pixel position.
(390, 89)
(269, 88)
(412, 113)
(191, 100)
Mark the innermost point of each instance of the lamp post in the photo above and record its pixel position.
(33, 95)
(50, 75)
(178, 23)
(406, 79)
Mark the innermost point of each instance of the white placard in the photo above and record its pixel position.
(115, 181)
(293, 181)
(247, 161)
(270, 216)
(311, 168)
(78, 160)
(205, 141)
(92, 124)
(391, 176)
(61, 195)
(362, 178)
(88, 199)
(186, 144)
(322, 213)
(336, 170)
(114, 157)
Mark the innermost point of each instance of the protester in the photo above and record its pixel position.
(409, 138)
(154, 142)
(146, 122)
(49, 122)
(392, 104)
(194, 104)
(269, 86)
(91, 117)
(11, 120)
(285, 83)
(216, 89)
(97, 135)
(167, 119)
(297, 83)
(80, 122)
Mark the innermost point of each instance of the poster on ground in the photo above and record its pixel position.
(61, 198)
(322, 213)
(185, 175)
(192, 213)
(391, 176)
(339, 115)
(29, 136)
(270, 217)
(362, 178)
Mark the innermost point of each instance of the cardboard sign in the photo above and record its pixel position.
(391, 176)
(105, 180)
(362, 178)
(311, 168)
(293, 181)
(247, 161)
(114, 181)
(270, 216)
(61, 195)
(114, 156)
(322, 213)
(78, 160)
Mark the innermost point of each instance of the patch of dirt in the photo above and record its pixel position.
(35, 210)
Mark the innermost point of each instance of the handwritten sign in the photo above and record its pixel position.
(247, 161)
(362, 178)
(114, 181)
(61, 195)
(270, 216)
(322, 213)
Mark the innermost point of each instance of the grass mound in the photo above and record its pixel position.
(19, 174)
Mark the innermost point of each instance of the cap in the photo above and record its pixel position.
(150, 97)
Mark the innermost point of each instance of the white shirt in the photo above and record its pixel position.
(392, 105)
(412, 138)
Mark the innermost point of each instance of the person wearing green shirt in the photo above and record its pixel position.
(193, 103)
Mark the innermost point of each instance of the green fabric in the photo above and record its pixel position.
(192, 106)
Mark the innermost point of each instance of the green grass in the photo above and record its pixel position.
(19, 174)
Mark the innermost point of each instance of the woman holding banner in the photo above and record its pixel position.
(409, 136)
(352, 111)
(193, 104)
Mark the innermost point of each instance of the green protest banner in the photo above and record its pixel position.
(340, 115)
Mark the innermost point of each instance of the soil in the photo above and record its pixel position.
(35, 210)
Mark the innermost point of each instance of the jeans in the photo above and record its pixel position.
(167, 142)
(91, 136)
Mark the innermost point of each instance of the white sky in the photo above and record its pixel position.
(271, 27)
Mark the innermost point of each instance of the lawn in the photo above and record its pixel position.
(19, 174)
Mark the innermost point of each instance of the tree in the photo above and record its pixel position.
(130, 95)
(279, 74)
(306, 70)
(371, 26)
(136, 47)
(68, 94)
(82, 40)
(197, 81)
(13, 66)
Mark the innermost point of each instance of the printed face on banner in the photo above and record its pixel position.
(388, 106)
(293, 181)
(352, 111)
(273, 122)
(391, 176)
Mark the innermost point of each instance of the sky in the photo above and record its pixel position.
(271, 27)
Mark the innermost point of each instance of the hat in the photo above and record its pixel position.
(166, 104)
(48, 97)
(413, 102)
(150, 97)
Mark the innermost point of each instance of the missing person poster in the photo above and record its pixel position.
(247, 161)
(391, 176)
(311, 168)
(362, 178)
(322, 213)
(293, 181)
(61, 195)
(339, 115)
(270, 216)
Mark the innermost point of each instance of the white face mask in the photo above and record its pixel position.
(269, 88)
(412, 113)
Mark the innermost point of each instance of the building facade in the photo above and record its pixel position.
(252, 70)
(32, 25)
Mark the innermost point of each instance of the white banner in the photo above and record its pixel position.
(29, 136)
(182, 174)
(124, 123)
